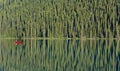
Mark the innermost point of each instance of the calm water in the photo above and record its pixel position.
(60, 55)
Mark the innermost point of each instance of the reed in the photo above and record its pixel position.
(59, 18)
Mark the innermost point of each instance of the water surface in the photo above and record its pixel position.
(60, 55)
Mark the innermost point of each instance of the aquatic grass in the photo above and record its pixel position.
(90, 19)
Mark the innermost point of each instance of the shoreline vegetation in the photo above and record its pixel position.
(60, 19)
(52, 38)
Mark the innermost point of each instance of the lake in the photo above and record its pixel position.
(60, 55)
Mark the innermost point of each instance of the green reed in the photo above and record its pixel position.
(59, 18)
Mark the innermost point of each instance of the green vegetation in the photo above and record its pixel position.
(60, 18)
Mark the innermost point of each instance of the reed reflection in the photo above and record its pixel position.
(60, 55)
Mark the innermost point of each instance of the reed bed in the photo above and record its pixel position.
(60, 18)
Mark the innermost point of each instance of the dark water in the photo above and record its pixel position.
(60, 55)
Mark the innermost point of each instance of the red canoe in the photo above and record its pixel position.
(18, 42)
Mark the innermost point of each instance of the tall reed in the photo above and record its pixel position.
(59, 18)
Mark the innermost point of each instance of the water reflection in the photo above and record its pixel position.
(62, 55)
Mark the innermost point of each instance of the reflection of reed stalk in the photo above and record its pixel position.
(52, 53)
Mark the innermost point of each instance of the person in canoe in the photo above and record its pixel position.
(18, 41)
